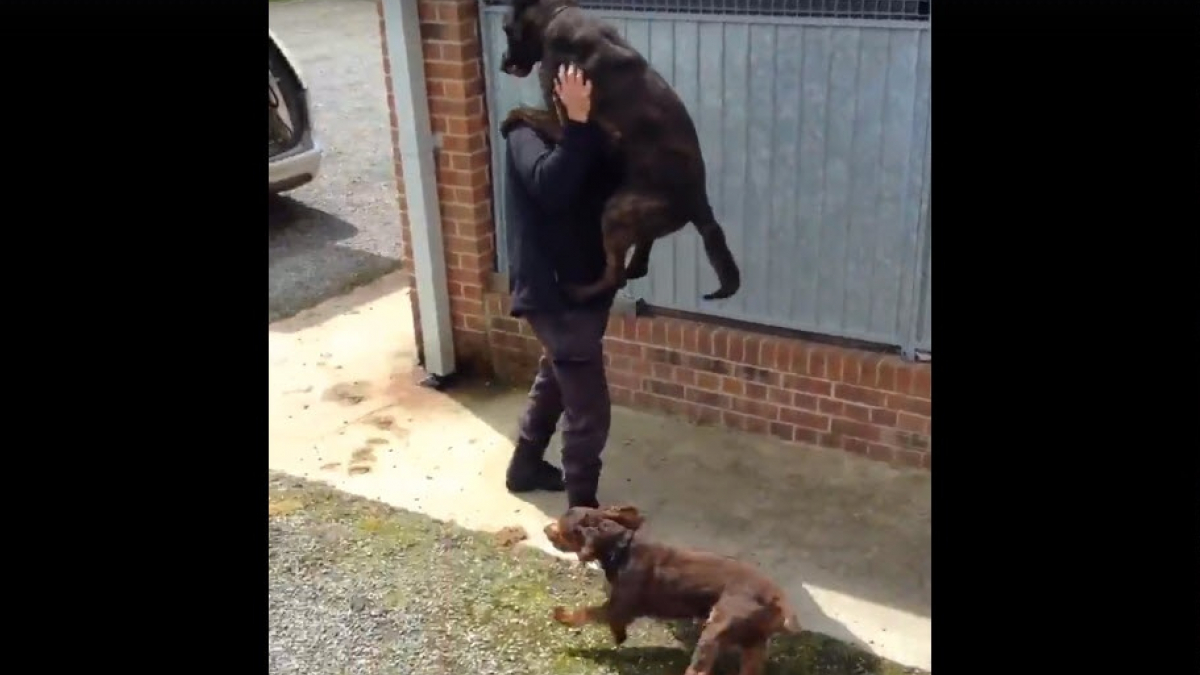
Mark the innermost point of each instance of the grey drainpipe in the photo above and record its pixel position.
(403, 35)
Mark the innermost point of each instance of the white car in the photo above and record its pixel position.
(294, 155)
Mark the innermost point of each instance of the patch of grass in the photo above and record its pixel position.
(501, 600)
(283, 506)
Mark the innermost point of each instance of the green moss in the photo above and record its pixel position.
(503, 598)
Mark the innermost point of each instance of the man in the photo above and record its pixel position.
(555, 198)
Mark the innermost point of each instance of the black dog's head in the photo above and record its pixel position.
(523, 27)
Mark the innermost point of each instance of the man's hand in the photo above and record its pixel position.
(574, 91)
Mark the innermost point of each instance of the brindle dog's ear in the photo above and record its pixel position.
(624, 514)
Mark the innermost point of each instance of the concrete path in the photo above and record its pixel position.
(848, 538)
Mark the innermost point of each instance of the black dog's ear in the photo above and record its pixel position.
(596, 540)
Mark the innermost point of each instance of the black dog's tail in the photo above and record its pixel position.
(719, 255)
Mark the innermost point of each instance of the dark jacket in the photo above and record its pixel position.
(554, 199)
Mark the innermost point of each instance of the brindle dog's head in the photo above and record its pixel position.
(569, 533)
(524, 27)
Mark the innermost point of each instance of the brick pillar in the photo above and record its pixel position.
(454, 84)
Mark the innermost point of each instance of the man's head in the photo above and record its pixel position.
(571, 531)
(523, 27)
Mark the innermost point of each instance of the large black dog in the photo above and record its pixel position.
(664, 183)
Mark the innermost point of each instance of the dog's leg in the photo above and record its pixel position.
(625, 215)
(639, 264)
(577, 618)
(543, 122)
(753, 658)
(615, 249)
(708, 648)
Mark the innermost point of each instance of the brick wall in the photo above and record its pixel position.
(866, 403)
(798, 391)
(454, 84)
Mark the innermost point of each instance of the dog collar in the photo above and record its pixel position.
(612, 561)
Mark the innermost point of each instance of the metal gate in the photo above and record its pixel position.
(814, 119)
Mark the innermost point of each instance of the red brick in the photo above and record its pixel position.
(858, 413)
(661, 371)
(755, 391)
(705, 416)
(922, 384)
(856, 394)
(863, 371)
(625, 349)
(675, 335)
(766, 353)
(805, 401)
(804, 419)
(710, 381)
(810, 436)
(808, 384)
(732, 385)
(642, 331)
(782, 430)
(779, 396)
(754, 408)
(798, 359)
(817, 364)
(708, 398)
(624, 379)
(760, 375)
(691, 338)
(916, 406)
(620, 396)
(886, 376)
(913, 423)
(737, 347)
(669, 389)
(720, 343)
(845, 427)
(881, 452)
(911, 458)
(855, 445)
(683, 375)
(831, 406)
(883, 417)
(751, 344)
(735, 420)
(756, 425)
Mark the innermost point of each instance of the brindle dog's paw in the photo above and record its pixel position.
(562, 615)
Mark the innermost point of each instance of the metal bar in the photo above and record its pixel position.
(911, 337)
(836, 22)
(402, 32)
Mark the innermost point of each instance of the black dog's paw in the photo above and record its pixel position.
(619, 635)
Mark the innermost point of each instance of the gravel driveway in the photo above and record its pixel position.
(343, 229)
(358, 587)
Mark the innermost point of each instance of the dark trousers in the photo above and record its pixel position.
(570, 384)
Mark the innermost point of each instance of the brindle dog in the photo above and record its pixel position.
(663, 186)
(740, 606)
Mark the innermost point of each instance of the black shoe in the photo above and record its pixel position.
(588, 501)
(583, 495)
(539, 475)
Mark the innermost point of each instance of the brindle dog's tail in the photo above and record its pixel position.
(719, 255)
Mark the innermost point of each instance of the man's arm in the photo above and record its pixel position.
(553, 175)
